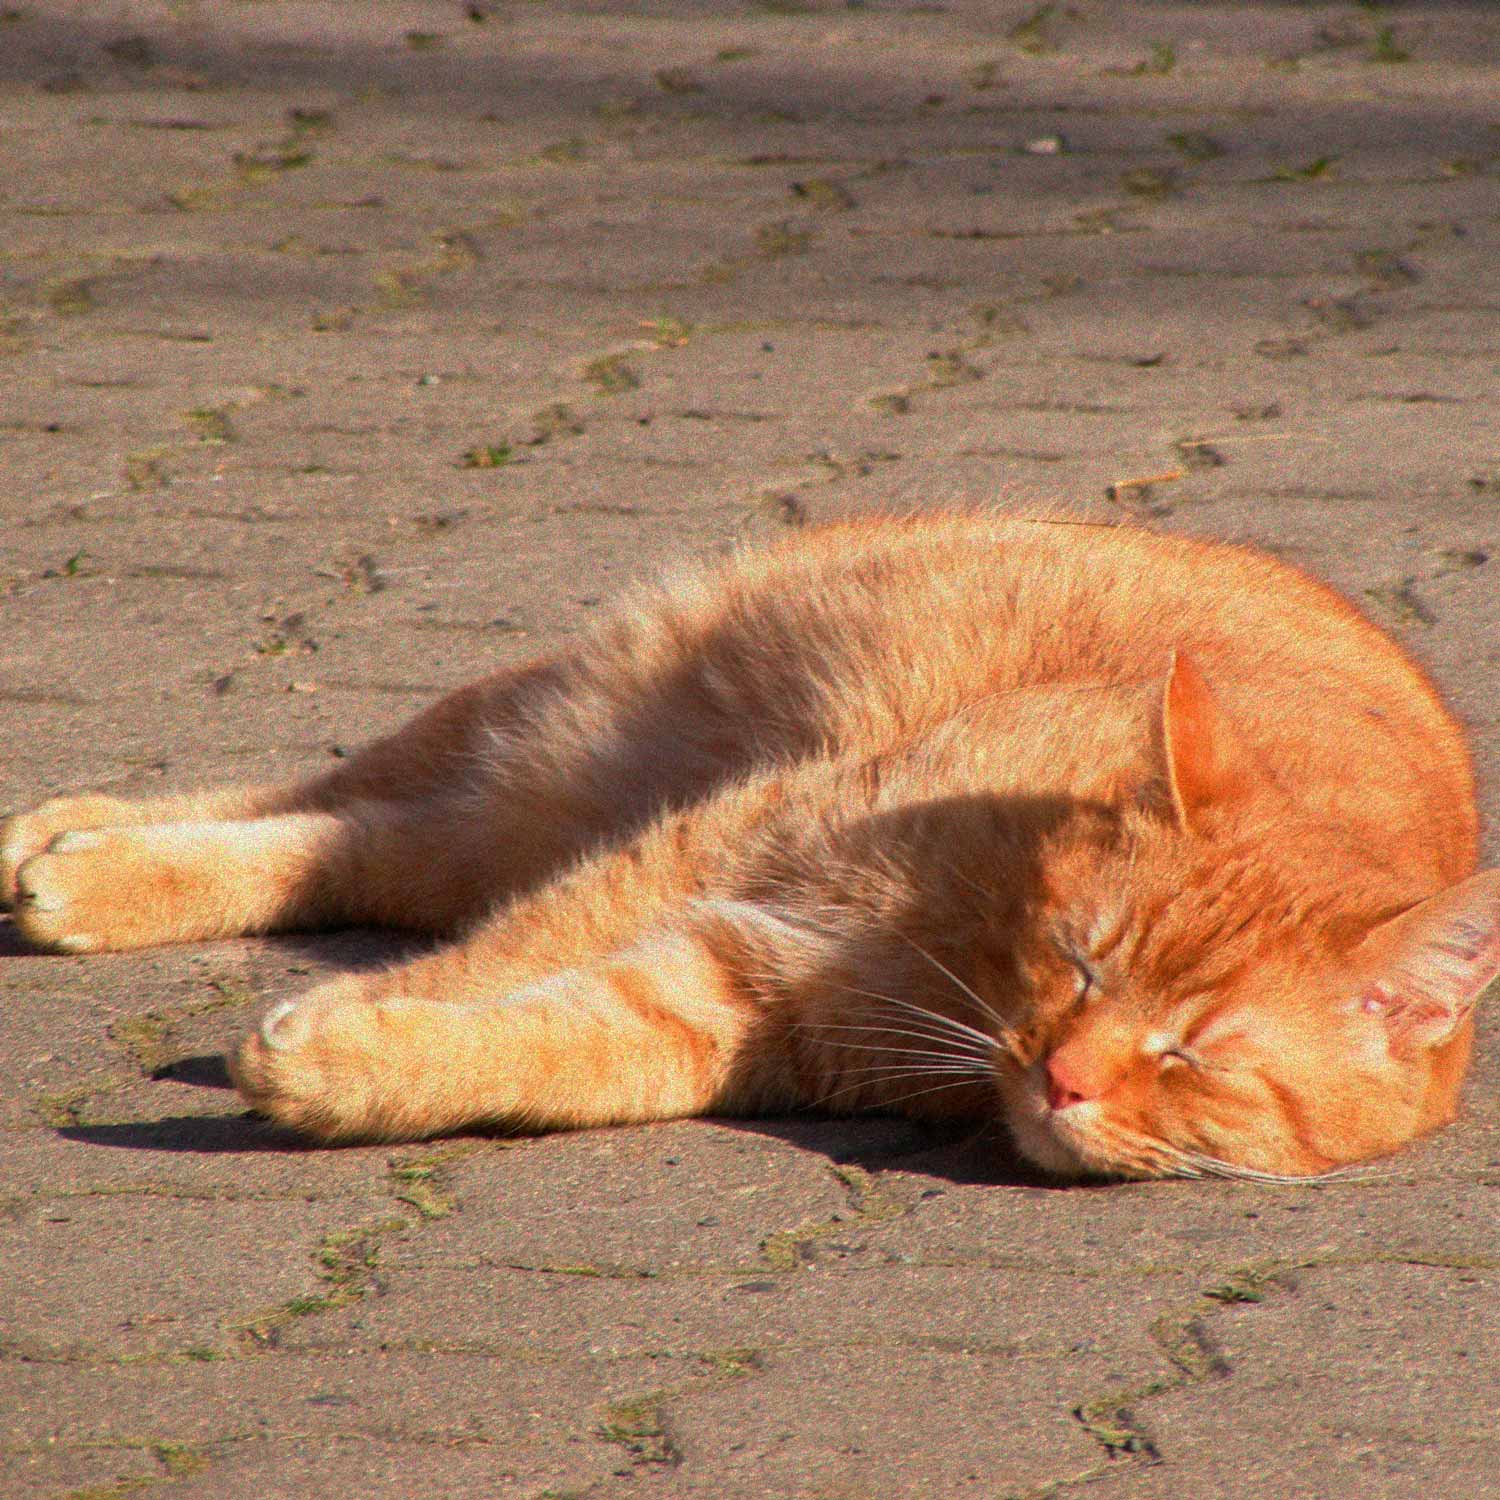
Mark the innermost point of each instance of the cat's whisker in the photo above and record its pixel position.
(1160, 1156)
(959, 1038)
(914, 1014)
(1167, 1160)
(979, 1064)
(957, 1048)
(1127, 1153)
(940, 1066)
(960, 1035)
(828, 1097)
(950, 1023)
(965, 1082)
(973, 885)
(873, 1095)
(1007, 1044)
(984, 1007)
(1171, 1167)
(1213, 1166)
(919, 1093)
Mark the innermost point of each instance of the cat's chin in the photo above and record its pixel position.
(1043, 1149)
(1035, 1136)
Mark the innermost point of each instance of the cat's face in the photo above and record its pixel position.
(1194, 1019)
(1207, 998)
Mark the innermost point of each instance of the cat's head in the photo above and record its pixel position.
(1205, 1008)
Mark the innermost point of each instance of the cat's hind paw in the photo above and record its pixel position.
(65, 899)
(93, 890)
(25, 835)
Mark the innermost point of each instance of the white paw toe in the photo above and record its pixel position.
(75, 842)
(34, 891)
(279, 1029)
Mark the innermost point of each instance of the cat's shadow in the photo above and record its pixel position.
(208, 1135)
(963, 1156)
(11, 945)
(875, 1143)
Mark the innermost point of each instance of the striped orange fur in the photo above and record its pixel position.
(1155, 850)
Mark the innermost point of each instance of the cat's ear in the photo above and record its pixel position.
(1210, 768)
(1429, 966)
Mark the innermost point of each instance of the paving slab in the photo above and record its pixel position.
(348, 352)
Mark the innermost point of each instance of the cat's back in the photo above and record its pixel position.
(899, 621)
(860, 637)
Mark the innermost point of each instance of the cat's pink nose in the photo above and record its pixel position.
(1064, 1086)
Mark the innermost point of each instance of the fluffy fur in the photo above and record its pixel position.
(1154, 849)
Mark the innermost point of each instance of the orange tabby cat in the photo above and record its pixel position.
(1154, 849)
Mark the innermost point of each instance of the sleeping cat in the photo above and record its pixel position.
(1153, 849)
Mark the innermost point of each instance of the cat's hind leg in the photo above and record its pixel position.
(485, 795)
(399, 834)
(416, 864)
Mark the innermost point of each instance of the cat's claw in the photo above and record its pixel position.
(75, 842)
(90, 890)
(17, 845)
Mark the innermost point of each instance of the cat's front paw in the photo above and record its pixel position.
(25, 835)
(315, 1064)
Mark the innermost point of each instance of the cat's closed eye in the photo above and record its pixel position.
(1181, 1055)
(1086, 982)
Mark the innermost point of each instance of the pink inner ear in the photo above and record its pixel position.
(1435, 961)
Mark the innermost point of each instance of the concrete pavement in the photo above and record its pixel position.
(349, 351)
